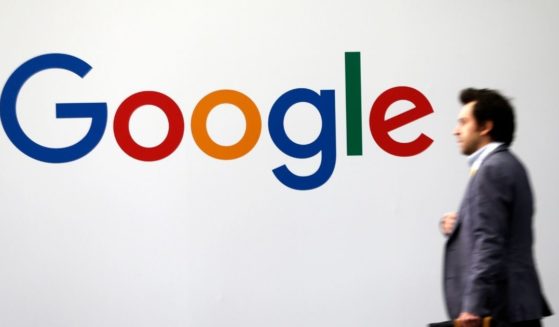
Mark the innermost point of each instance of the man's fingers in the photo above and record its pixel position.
(447, 222)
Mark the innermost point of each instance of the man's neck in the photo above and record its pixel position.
(475, 159)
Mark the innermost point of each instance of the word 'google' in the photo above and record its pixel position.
(324, 102)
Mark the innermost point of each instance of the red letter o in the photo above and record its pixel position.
(122, 128)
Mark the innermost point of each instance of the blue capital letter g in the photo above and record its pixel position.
(96, 111)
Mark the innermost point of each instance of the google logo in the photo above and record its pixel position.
(324, 102)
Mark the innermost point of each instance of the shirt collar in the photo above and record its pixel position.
(476, 158)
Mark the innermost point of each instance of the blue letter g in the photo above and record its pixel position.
(96, 111)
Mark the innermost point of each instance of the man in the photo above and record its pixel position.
(489, 266)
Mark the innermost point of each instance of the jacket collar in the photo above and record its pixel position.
(475, 159)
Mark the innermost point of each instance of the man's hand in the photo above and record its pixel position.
(467, 319)
(447, 222)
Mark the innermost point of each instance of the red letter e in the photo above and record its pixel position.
(383, 126)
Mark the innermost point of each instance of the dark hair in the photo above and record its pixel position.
(492, 106)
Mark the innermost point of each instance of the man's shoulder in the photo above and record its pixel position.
(503, 162)
(502, 156)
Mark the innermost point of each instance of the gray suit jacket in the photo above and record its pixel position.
(489, 266)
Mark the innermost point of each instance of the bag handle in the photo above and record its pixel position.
(486, 322)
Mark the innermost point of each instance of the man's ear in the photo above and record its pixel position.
(486, 128)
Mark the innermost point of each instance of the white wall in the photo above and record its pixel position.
(194, 241)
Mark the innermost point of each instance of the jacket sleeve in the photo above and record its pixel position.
(489, 205)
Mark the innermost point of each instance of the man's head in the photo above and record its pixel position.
(485, 117)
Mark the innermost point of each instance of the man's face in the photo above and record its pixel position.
(467, 131)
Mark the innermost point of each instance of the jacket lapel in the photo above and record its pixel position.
(500, 148)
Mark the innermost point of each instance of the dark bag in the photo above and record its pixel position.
(451, 323)
(442, 324)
